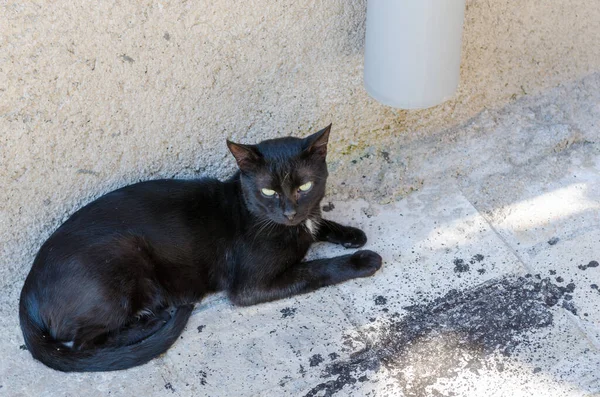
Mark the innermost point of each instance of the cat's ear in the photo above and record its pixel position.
(247, 156)
(316, 144)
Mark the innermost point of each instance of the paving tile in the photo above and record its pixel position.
(368, 384)
(229, 350)
(555, 229)
(531, 220)
(224, 351)
(504, 337)
(415, 311)
(21, 375)
(571, 263)
(548, 361)
(431, 242)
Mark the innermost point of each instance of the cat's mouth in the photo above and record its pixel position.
(291, 222)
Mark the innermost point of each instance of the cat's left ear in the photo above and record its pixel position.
(247, 156)
(316, 144)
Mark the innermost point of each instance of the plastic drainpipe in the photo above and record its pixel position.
(412, 51)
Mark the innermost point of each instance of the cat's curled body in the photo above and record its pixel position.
(114, 286)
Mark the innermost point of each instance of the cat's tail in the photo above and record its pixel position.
(60, 357)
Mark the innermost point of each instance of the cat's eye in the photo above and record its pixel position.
(268, 192)
(306, 187)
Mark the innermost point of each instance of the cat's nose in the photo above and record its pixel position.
(290, 214)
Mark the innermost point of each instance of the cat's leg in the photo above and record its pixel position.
(306, 277)
(132, 331)
(348, 236)
(138, 329)
(89, 336)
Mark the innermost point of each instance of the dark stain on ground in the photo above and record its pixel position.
(569, 288)
(344, 374)
(88, 172)
(328, 207)
(285, 380)
(127, 58)
(288, 312)
(23, 347)
(202, 377)
(302, 371)
(201, 328)
(553, 240)
(316, 360)
(460, 266)
(386, 157)
(333, 356)
(169, 386)
(473, 329)
(380, 300)
(591, 264)
(477, 258)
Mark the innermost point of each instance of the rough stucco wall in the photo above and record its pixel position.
(97, 96)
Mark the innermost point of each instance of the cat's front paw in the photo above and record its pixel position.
(350, 237)
(365, 263)
(354, 238)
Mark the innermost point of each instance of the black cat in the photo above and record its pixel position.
(114, 286)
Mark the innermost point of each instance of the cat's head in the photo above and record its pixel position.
(284, 179)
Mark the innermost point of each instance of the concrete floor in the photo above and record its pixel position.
(490, 283)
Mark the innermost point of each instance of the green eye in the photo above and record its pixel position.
(306, 187)
(268, 192)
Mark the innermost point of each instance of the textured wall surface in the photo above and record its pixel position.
(97, 96)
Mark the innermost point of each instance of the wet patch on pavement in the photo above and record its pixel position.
(473, 329)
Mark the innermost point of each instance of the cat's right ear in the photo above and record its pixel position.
(247, 156)
(316, 144)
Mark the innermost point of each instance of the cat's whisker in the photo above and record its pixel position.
(273, 226)
(263, 224)
(263, 228)
(261, 221)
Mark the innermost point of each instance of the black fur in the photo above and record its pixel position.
(114, 286)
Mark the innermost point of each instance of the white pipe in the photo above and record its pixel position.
(412, 51)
